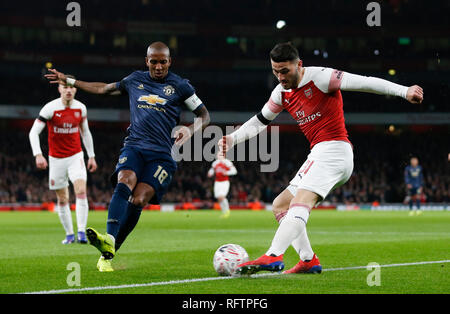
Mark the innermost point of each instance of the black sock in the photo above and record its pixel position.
(127, 223)
(117, 208)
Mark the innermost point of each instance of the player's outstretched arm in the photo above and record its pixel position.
(353, 82)
(249, 129)
(56, 77)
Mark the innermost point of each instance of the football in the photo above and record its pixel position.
(228, 257)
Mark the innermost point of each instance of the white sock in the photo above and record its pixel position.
(291, 227)
(65, 217)
(224, 205)
(301, 244)
(303, 247)
(82, 210)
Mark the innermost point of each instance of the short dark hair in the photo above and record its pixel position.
(283, 52)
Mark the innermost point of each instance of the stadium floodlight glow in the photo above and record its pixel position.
(392, 72)
(316, 52)
(281, 24)
(376, 52)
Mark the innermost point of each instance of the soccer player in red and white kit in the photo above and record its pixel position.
(222, 168)
(312, 96)
(66, 120)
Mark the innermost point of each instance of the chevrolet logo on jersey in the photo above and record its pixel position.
(153, 99)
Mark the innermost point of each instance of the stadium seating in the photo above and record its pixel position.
(380, 159)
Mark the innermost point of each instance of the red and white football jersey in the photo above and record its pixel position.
(221, 168)
(316, 104)
(63, 124)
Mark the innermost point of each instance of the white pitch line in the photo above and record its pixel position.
(173, 282)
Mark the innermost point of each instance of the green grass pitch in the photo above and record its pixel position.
(167, 248)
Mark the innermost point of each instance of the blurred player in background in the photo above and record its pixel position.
(66, 120)
(312, 96)
(222, 168)
(145, 166)
(414, 182)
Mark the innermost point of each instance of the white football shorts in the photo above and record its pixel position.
(328, 166)
(63, 169)
(221, 188)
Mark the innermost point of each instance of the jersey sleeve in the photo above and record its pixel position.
(272, 107)
(275, 100)
(189, 97)
(328, 80)
(124, 84)
(231, 168)
(83, 110)
(369, 84)
(46, 112)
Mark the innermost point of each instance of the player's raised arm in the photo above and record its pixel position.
(353, 82)
(56, 77)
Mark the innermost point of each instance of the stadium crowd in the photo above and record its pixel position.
(380, 158)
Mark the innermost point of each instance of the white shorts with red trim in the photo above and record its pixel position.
(221, 188)
(61, 170)
(328, 166)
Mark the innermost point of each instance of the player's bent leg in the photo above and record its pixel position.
(127, 180)
(294, 222)
(142, 195)
(273, 259)
(309, 263)
(119, 203)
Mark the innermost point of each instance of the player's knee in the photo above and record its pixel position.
(62, 197)
(62, 200)
(79, 187)
(279, 206)
(128, 178)
(80, 191)
(142, 194)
